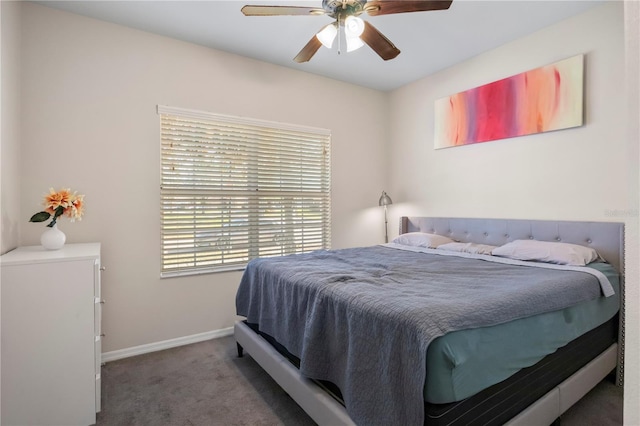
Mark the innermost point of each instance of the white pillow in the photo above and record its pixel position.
(421, 239)
(468, 248)
(546, 251)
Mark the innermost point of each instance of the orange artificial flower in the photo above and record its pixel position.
(60, 203)
(76, 207)
(56, 199)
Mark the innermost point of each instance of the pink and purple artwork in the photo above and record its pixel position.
(544, 99)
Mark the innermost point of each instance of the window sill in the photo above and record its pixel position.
(203, 271)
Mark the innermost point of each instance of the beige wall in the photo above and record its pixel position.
(568, 174)
(587, 173)
(10, 126)
(90, 91)
(632, 247)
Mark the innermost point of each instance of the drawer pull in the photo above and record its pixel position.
(102, 301)
(103, 268)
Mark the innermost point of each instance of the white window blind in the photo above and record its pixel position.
(234, 189)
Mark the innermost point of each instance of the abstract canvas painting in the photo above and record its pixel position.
(543, 99)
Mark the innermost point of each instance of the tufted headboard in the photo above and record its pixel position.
(607, 238)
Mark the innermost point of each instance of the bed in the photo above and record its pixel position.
(533, 389)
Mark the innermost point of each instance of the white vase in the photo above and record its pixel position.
(53, 238)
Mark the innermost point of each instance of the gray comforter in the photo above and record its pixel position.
(363, 318)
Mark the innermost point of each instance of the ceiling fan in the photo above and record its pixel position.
(346, 14)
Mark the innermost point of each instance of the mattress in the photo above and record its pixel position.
(462, 363)
(501, 402)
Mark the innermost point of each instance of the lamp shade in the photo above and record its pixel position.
(385, 200)
(353, 26)
(327, 35)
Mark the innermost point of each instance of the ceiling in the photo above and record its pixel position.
(429, 41)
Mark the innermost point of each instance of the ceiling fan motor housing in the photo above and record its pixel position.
(343, 8)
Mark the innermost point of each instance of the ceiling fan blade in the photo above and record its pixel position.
(378, 42)
(387, 7)
(280, 10)
(308, 50)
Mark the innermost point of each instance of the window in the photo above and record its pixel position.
(234, 189)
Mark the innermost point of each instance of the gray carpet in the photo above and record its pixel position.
(207, 384)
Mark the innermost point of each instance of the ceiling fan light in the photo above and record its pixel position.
(354, 43)
(353, 26)
(327, 35)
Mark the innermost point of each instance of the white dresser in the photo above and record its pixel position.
(51, 336)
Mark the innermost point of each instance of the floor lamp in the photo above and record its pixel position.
(385, 200)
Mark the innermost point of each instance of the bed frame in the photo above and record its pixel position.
(605, 237)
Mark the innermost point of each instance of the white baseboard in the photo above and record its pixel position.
(165, 344)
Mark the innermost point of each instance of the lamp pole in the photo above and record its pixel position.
(386, 235)
(385, 200)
